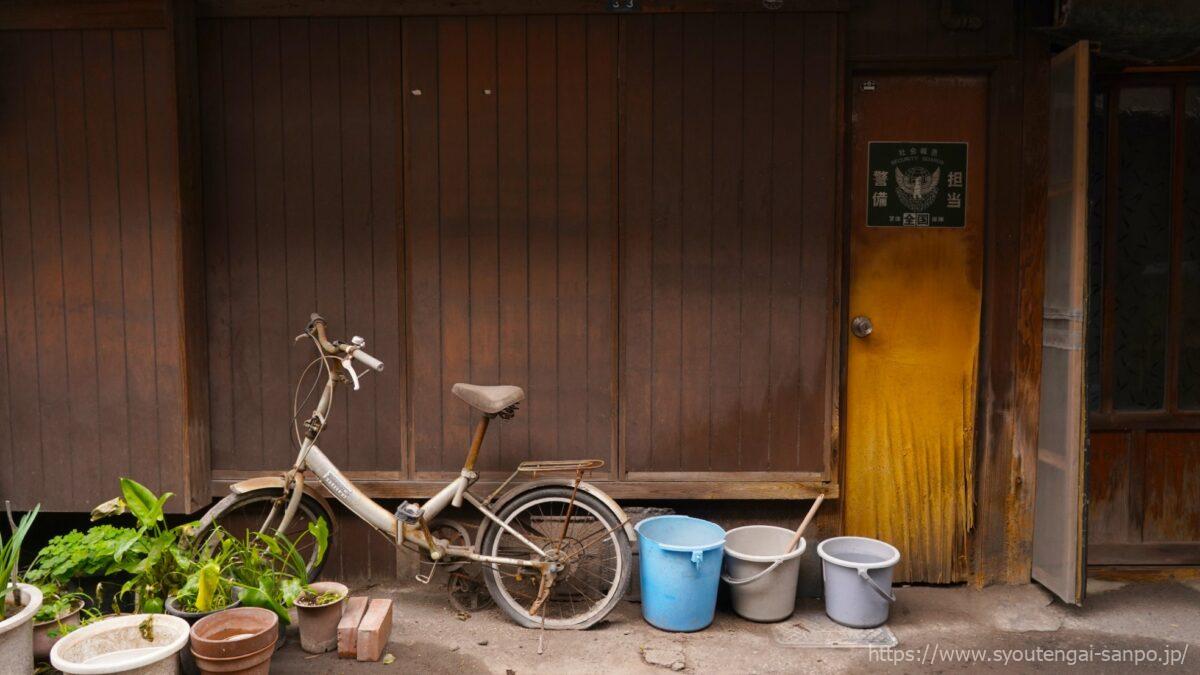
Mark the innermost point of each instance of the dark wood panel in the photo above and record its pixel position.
(728, 254)
(300, 128)
(509, 231)
(91, 223)
(1109, 459)
(882, 30)
(1172, 482)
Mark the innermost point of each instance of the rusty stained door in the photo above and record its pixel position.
(915, 276)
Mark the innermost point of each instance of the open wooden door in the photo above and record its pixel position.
(1058, 537)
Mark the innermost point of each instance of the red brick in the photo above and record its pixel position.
(374, 630)
(347, 630)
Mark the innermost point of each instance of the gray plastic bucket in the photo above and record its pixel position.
(762, 578)
(858, 580)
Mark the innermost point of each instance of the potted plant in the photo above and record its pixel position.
(58, 615)
(128, 643)
(320, 608)
(208, 587)
(270, 573)
(155, 559)
(90, 561)
(20, 602)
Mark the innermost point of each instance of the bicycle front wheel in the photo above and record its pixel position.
(244, 513)
(586, 537)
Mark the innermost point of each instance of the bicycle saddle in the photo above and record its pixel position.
(489, 400)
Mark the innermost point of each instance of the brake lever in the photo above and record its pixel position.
(345, 361)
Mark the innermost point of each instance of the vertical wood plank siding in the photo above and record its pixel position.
(509, 168)
(300, 130)
(92, 372)
(728, 184)
(496, 256)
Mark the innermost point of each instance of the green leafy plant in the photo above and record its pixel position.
(269, 570)
(10, 554)
(208, 586)
(76, 555)
(57, 604)
(156, 559)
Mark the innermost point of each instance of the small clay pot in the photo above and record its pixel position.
(318, 623)
(239, 640)
(42, 642)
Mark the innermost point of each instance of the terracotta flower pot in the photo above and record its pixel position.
(42, 640)
(172, 607)
(16, 630)
(239, 640)
(318, 623)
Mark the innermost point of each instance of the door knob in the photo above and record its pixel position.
(861, 326)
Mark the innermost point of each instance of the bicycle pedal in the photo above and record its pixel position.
(409, 513)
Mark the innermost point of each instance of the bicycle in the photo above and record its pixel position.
(554, 552)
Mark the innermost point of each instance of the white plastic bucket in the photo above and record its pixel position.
(116, 645)
(858, 580)
(761, 575)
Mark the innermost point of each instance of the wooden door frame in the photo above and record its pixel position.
(1007, 398)
(1138, 424)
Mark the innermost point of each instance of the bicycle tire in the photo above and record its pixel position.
(310, 508)
(610, 521)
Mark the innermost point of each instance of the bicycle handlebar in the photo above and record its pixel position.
(337, 347)
(367, 360)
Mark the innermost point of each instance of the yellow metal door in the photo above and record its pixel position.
(915, 274)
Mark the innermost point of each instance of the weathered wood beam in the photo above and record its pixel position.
(387, 488)
(261, 8)
(180, 19)
(80, 14)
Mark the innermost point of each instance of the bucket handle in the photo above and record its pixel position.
(862, 572)
(738, 582)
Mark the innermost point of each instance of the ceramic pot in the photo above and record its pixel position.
(42, 640)
(172, 608)
(16, 631)
(119, 644)
(318, 623)
(239, 640)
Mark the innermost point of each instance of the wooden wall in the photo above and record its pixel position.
(300, 129)
(511, 231)
(729, 249)
(458, 178)
(94, 379)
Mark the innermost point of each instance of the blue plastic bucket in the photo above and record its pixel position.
(680, 571)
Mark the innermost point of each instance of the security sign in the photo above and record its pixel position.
(916, 184)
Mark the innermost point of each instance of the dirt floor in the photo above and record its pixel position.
(1121, 628)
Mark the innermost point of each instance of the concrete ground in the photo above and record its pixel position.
(1122, 628)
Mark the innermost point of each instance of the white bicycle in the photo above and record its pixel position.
(553, 552)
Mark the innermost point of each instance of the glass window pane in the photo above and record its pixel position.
(1189, 341)
(1143, 241)
(1097, 156)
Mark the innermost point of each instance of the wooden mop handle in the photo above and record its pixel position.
(807, 519)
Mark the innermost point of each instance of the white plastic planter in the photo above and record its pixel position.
(16, 633)
(116, 645)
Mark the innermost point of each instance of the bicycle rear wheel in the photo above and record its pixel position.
(241, 514)
(594, 550)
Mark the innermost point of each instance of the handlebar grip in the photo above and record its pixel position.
(368, 360)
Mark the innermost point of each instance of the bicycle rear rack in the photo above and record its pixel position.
(569, 466)
(560, 466)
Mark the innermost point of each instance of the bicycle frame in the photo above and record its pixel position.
(454, 493)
